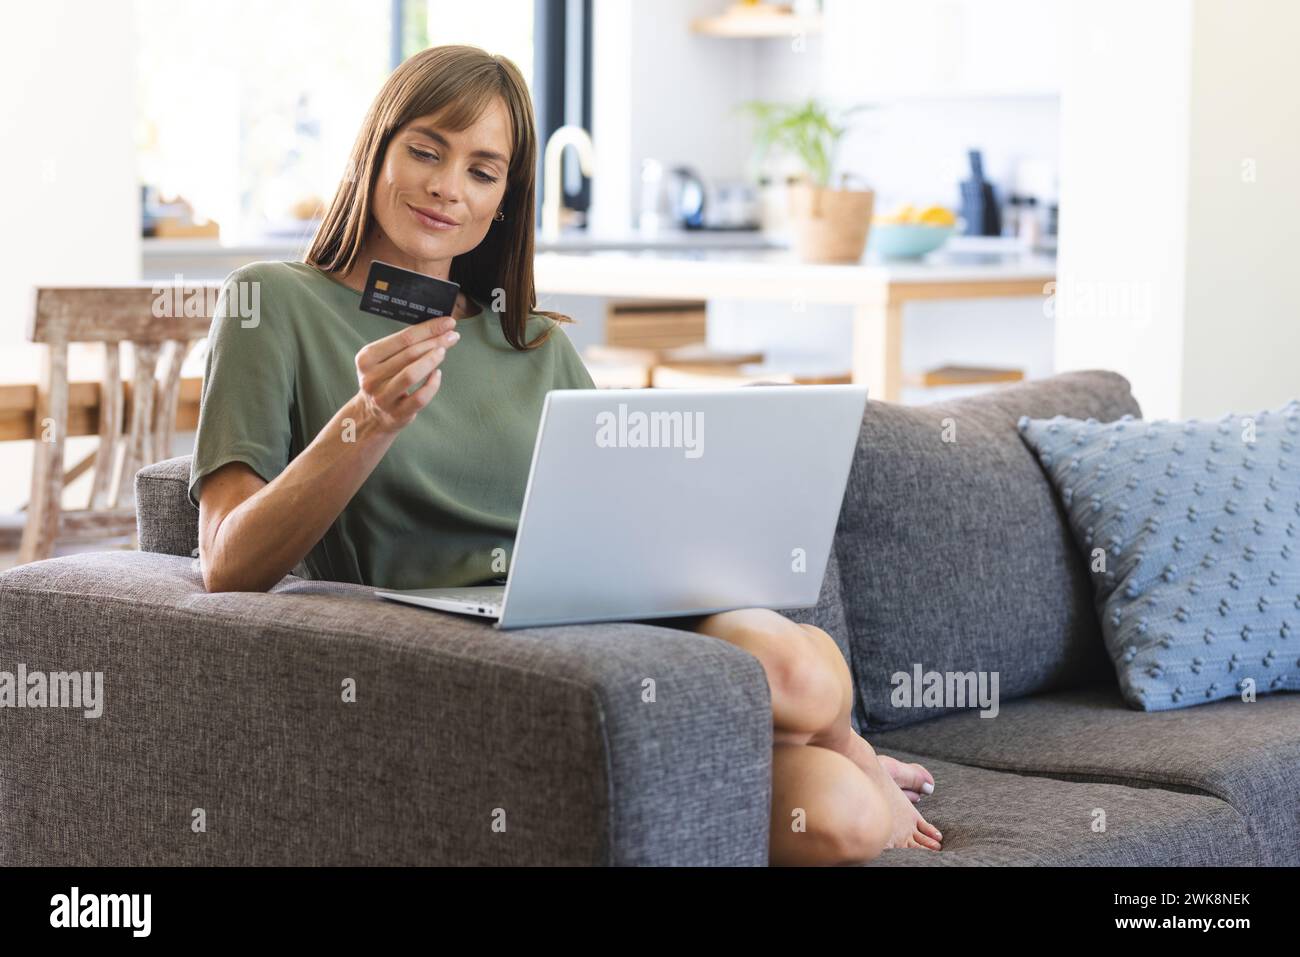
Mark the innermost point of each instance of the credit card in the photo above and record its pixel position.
(397, 293)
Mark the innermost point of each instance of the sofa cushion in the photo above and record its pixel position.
(996, 818)
(1191, 533)
(954, 552)
(1245, 754)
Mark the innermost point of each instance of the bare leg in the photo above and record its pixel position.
(809, 703)
(812, 697)
(912, 779)
(823, 810)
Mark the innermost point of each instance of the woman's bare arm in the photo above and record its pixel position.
(252, 533)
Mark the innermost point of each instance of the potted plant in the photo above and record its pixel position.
(828, 224)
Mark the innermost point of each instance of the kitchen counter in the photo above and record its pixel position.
(213, 259)
(602, 270)
(967, 268)
(745, 266)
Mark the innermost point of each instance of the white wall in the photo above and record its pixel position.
(1121, 259)
(1241, 343)
(947, 76)
(71, 196)
(661, 91)
(1175, 267)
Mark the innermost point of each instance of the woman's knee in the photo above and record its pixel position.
(807, 690)
(808, 686)
(831, 653)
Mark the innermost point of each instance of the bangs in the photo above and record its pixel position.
(457, 104)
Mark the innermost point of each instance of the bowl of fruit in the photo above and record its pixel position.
(908, 232)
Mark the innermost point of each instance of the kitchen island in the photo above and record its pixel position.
(877, 291)
(216, 259)
(753, 267)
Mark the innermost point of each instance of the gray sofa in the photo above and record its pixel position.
(466, 745)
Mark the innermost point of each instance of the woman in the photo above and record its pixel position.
(325, 436)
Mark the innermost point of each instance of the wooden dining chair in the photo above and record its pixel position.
(137, 418)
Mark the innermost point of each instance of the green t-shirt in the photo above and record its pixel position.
(450, 488)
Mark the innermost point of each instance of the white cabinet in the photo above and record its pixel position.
(893, 49)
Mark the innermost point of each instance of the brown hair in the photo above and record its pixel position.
(458, 83)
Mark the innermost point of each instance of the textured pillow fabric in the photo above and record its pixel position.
(954, 553)
(1191, 532)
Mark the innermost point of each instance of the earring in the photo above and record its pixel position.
(500, 217)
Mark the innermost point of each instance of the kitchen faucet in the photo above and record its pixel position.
(552, 188)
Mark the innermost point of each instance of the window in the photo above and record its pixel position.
(249, 109)
(562, 87)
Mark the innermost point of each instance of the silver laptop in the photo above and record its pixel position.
(649, 503)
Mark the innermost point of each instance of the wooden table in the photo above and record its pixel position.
(20, 369)
(877, 292)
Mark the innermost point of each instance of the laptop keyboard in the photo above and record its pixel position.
(471, 597)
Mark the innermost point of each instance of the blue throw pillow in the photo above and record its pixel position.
(1191, 532)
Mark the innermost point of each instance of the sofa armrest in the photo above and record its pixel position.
(612, 743)
(165, 520)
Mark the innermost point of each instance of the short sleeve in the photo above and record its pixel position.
(248, 385)
(571, 371)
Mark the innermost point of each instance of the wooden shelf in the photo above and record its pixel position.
(623, 367)
(961, 375)
(710, 377)
(696, 353)
(655, 325)
(619, 375)
(756, 23)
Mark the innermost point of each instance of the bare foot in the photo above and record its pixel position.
(912, 779)
(908, 828)
(902, 785)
